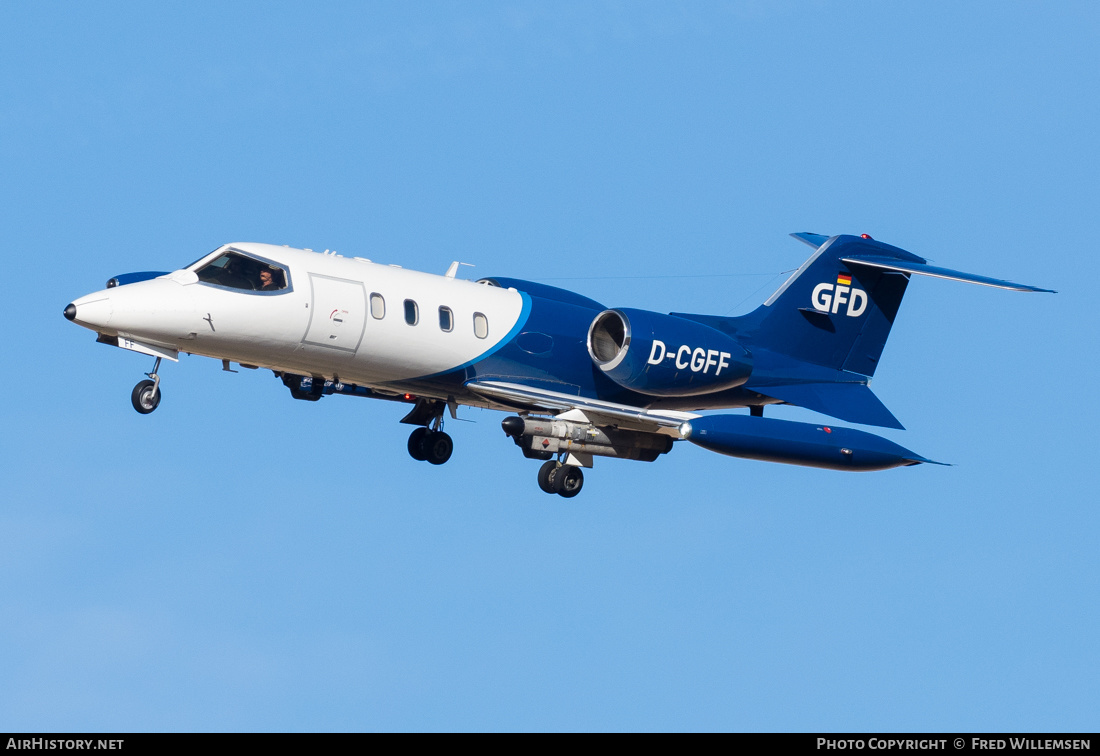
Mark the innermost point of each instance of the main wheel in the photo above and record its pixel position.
(416, 444)
(568, 481)
(437, 447)
(145, 397)
(546, 476)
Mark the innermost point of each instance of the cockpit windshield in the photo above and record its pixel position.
(237, 271)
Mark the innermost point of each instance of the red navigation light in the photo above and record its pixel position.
(865, 236)
(409, 397)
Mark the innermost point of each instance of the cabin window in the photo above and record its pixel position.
(481, 325)
(237, 271)
(446, 319)
(412, 313)
(377, 306)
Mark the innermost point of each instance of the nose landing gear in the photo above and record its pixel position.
(146, 394)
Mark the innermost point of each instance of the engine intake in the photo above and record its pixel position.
(663, 355)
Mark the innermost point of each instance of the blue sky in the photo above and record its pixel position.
(242, 561)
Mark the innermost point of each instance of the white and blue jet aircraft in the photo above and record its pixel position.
(581, 380)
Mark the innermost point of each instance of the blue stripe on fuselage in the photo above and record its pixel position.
(566, 364)
(524, 314)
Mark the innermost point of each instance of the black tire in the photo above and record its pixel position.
(568, 481)
(437, 447)
(145, 397)
(546, 477)
(416, 444)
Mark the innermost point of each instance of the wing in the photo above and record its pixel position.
(599, 412)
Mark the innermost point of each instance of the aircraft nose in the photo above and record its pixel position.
(92, 311)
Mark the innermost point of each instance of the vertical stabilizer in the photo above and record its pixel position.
(818, 339)
(833, 313)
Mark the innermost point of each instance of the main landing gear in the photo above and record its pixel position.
(564, 480)
(146, 394)
(428, 445)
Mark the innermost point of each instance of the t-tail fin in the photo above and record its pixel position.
(836, 310)
(818, 339)
(833, 314)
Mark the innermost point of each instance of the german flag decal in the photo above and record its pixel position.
(843, 280)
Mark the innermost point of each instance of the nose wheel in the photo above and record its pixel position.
(145, 397)
(146, 394)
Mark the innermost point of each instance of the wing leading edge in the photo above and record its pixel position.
(599, 412)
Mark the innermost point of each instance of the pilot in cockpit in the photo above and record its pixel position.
(267, 280)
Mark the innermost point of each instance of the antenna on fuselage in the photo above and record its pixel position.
(453, 270)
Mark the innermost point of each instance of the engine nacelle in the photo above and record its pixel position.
(663, 355)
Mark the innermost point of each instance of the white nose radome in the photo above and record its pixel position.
(93, 311)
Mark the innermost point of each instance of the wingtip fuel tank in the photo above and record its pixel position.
(808, 444)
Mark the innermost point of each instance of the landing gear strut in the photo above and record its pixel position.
(564, 480)
(431, 445)
(146, 394)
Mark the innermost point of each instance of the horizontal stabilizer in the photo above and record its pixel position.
(814, 240)
(924, 269)
(854, 402)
